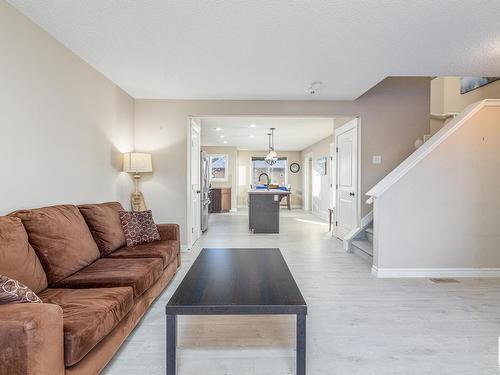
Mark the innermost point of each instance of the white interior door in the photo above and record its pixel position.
(195, 182)
(346, 140)
(333, 169)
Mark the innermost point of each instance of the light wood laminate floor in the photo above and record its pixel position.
(357, 324)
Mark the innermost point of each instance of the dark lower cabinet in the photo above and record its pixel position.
(220, 200)
(264, 212)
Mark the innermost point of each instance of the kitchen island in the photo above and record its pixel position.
(264, 210)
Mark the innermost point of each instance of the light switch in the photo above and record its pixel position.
(376, 159)
(275, 197)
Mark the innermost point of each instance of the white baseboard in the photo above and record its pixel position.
(233, 210)
(434, 272)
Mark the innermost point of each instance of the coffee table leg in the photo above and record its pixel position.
(301, 344)
(171, 343)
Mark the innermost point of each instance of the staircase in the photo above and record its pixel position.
(361, 241)
(419, 199)
(362, 244)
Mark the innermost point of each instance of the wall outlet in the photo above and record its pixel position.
(376, 159)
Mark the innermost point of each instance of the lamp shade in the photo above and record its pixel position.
(137, 162)
(272, 155)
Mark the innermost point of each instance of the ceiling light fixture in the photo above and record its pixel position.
(272, 156)
(218, 129)
(221, 136)
(224, 142)
(252, 125)
(314, 88)
(252, 136)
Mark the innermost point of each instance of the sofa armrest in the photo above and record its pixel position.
(169, 232)
(31, 339)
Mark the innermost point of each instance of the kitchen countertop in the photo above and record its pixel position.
(270, 191)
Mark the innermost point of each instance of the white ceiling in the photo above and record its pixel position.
(272, 49)
(291, 134)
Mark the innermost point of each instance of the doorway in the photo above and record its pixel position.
(305, 141)
(195, 183)
(347, 178)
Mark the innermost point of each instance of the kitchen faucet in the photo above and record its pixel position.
(268, 179)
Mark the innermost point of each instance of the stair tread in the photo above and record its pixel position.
(364, 245)
(369, 230)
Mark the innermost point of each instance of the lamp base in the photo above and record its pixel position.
(137, 201)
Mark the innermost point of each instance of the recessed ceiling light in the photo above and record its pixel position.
(252, 125)
(218, 129)
(222, 136)
(252, 136)
(225, 142)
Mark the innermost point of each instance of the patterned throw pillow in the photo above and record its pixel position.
(139, 227)
(12, 291)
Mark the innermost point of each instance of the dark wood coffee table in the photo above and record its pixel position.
(237, 281)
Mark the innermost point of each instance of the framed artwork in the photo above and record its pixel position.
(471, 83)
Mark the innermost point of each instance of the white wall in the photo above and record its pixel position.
(321, 191)
(63, 125)
(393, 114)
(444, 212)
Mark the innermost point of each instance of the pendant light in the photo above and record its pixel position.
(272, 156)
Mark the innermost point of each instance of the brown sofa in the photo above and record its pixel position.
(94, 289)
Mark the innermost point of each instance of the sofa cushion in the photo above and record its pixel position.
(139, 227)
(17, 258)
(89, 315)
(140, 274)
(166, 250)
(104, 223)
(61, 239)
(12, 291)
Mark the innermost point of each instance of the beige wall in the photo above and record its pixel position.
(321, 191)
(455, 102)
(245, 174)
(393, 114)
(444, 212)
(446, 97)
(232, 180)
(437, 103)
(63, 124)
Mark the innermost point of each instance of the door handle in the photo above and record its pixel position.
(352, 194)
(198, 191)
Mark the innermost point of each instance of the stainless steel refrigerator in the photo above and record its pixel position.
(205, 189)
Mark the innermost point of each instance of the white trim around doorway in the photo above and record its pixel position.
(307, 182)
(354, 124)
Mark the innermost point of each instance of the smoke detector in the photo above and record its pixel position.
(314, 88)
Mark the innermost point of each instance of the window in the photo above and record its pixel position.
(218, 167)
(277, 172)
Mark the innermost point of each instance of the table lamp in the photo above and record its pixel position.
(137, 162)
